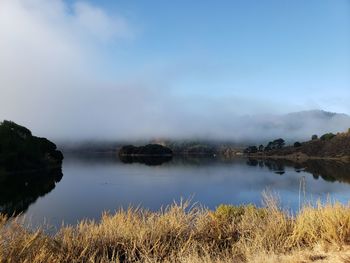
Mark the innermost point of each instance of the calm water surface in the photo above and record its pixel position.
(91, 185)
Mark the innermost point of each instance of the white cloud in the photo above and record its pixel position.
(96, 22)
(51, 80)
(48, 50)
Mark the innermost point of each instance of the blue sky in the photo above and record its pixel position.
(193, 64)
(297, 52)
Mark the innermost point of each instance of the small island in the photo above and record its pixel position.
(20, 151)
(147, 150)
(150, 154)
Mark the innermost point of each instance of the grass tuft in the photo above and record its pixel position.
(184, 233)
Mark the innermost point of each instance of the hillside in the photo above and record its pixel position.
(333, 147)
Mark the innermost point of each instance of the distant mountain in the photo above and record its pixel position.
(293, 126)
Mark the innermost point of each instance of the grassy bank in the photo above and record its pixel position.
(189, 234)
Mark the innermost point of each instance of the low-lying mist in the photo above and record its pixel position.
(239, 130)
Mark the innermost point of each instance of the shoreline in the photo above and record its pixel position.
(293, 157)
(298, 157)
(30, 171)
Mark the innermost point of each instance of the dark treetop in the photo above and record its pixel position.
(21, 151)
(147, 150)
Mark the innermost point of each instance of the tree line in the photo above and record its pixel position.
(280, 143)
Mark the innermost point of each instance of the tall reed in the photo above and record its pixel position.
(180, 233)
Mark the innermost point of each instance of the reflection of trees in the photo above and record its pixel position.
(196, 160)
(18, 191)
(298, 167)
(261, 164)
(276, 166)
(148, 160)
(252, 162)
(328, 170)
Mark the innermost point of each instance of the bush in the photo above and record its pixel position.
(327, 136)
(297, 144)
(251, 149)
(229, 212)
(235, 213)
(276, 144)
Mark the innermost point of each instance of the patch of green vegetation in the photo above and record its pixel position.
(273, 145)
(297, 144)
(314, 137)
(327, 136)
(235, 213)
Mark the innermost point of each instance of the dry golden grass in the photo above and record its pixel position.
(186, 234)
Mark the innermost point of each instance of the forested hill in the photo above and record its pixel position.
(328, 145)
(20, 150)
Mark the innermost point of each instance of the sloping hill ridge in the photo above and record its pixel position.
(336, 147)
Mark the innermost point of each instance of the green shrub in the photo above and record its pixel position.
(235, 213)
(297, 144)
(327, 136)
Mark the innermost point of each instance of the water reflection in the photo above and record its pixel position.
(19, 191)
(328, 170)
(147, 160)
(96, 183)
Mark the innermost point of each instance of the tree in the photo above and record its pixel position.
(276, 144)
(269, 146)
(279, 143)
(314, 137)
(251, 149)
(20, 150)
(327, 136)
(297, 144)
(261, 148)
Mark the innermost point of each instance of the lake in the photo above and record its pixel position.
(89, 185)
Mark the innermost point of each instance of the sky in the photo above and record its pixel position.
(131, 69)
